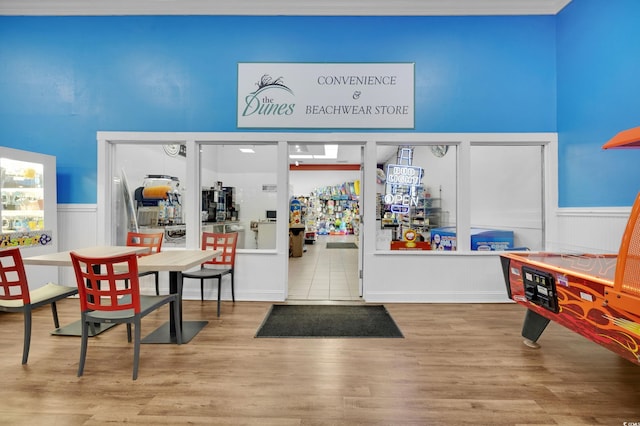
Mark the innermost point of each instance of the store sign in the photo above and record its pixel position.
(400, 203)
(326, 95)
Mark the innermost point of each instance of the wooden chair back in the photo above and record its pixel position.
(226, 242)
(93, 273)
(13, 278)
(152, 240)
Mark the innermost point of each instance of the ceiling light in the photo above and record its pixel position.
(247, 150)
(330, 153)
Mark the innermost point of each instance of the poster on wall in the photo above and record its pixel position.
(26, 239)
(326, 95)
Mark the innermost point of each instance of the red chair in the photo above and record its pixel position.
(115, 304)
(15, 295)
(154, 242)
(221, 265)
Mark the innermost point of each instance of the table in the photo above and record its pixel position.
(175, 261)
(569, 289)
(64, 259)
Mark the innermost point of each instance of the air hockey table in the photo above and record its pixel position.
(571, 289)
(595, 295)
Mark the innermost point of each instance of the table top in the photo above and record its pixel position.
(63, 258)
(175, 260)
(169, 260)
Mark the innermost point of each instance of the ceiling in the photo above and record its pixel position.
(283, 7)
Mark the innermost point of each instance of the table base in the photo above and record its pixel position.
(75, 329)
(163, 335)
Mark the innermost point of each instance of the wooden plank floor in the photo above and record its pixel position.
(458, 364)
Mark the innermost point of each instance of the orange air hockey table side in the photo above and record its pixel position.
(595, 295)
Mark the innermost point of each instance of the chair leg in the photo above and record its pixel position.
(54, 311)
(136, 348)
(219, 288)
(202, 289)
(157, 283)
(129, 332)
(83, 344)
(27, 334)
(233, 296)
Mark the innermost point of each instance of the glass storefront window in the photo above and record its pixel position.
(239, 192)
(506, 197)
(416, 190)
(148, 191)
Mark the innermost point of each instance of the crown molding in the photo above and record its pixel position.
(280, 7)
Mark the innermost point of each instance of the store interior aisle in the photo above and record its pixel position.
(325, 274)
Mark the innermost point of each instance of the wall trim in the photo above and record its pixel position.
(439, 297)
(88, 208)
(324, 167)
(594, 212)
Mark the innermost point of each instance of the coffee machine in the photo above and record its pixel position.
(218, 204)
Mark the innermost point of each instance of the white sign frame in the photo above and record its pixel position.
(326, 95)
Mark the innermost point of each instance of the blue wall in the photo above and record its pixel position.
(62, 79)
(598, 96)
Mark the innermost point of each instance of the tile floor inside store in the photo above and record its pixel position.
(325, 274)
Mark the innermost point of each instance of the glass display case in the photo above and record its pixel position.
(29, 207)
(22, 195)
(27, 187)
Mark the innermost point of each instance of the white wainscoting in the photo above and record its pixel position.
(77, 228)
(257, 278)
(593, 230)
(475, 278)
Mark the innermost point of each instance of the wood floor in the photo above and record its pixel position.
(457, 365)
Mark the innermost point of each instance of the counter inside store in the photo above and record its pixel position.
(224, 227)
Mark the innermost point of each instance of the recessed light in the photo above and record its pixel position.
(247, 150)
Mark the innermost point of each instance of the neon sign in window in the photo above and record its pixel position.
(404, 175)
(402, 181)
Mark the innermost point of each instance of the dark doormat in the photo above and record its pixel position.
(328, 321)
(342, 246)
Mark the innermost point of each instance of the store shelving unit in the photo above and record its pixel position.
(311, 220)
(422, 217)
(426, 215)
(22, 190)
(337, 204)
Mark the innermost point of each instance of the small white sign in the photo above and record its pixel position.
(326, 95)
(586, 296)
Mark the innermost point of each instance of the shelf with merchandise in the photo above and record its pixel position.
(22, 203)
(427, 213)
